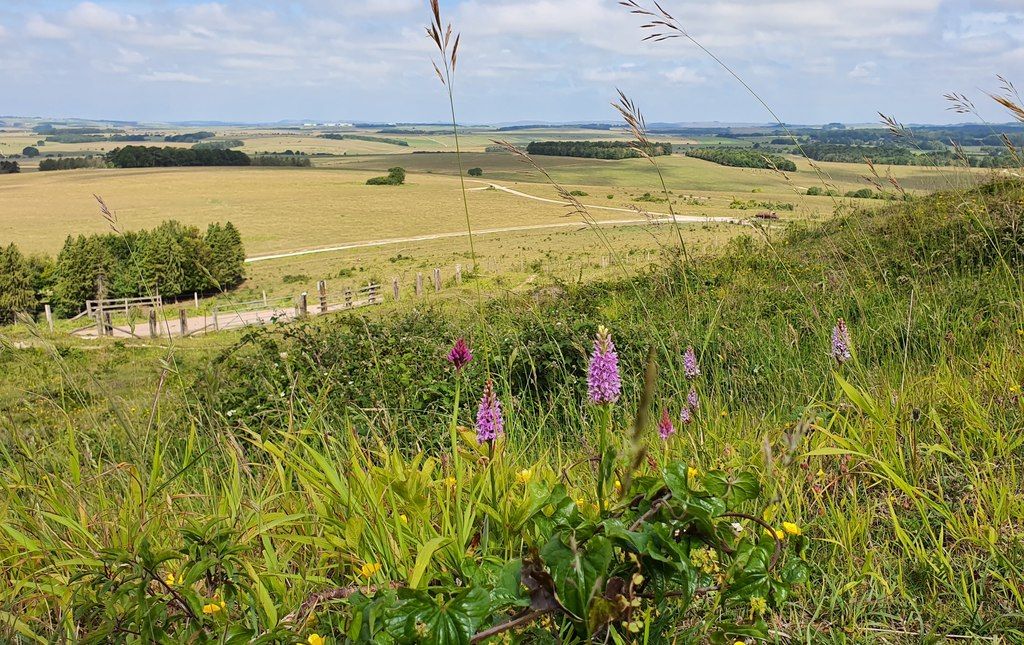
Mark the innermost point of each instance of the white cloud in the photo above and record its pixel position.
(684, 76)
(864, 71)
(3, 32)
(89, 15)
(39, 27)
(173, 77)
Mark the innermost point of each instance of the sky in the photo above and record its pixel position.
(812, 61)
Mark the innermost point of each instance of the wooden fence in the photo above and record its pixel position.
(234, 315)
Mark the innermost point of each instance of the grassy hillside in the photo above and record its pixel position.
(317, 458)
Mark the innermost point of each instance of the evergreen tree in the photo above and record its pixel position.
(16, 294)
(227, 254)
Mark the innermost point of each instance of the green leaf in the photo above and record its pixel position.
(421, 619)
(796, 572)
(577, 569)
(426, 552)
(735, 488)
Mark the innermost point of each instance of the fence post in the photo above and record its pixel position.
(216, 323)
(419, 284)
(394, 287)
(437, 279)
(372, 294)
(195, 296)
(264, 298)
(152, 323)
(49, 317)
(458, 274)
(107, 325)
(183, 322)
(321, 292)
(348, 298)
(303, 304)
(99, 321)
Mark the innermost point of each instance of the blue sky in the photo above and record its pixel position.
(557, 60)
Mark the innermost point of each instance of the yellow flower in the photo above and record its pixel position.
(524, 476)
(450, 481)
(778, 534)
(1015, 389)
(692, 472)
(618, 485)
(739, 643)
(315, 639)
(170, 580)
(791, 528)
(369, 569)
(404, 518)
(725, 413)
(581, 503)
(214, 607)
(821, 473)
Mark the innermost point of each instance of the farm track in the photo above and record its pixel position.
(654, 218)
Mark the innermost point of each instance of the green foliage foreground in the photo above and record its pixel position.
(305, 486)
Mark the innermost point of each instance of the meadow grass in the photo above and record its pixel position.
(301, 458)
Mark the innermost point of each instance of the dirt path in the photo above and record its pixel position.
(656, 218)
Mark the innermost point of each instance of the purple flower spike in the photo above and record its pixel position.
(603, 382)
(690, 364)
(665, 427)
(841, 342)
(685, 416)
(489, 424)
(460, 355)
(693, 400)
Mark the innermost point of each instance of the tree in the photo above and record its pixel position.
(395, 177)
(476, 172)
(30, 151)
(16, 294)
(227, 255)
(9, 167)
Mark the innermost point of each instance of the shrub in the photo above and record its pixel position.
(9, 167)
(476, 172)
(30, 152)
(395, 177)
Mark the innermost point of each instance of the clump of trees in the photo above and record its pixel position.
(596, 149)
(742, 158)
(30, 152)
(172, 260)
(298, 161)
(71, 163)
(395, 177)
(365, 137)
(22, 282)
(476, 172)
(9, 167)
(189, 137)
(153, 157)
(223, 144)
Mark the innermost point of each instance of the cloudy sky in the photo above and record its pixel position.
(813, 61)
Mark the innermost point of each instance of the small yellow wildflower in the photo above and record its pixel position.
(315, 639)
(524, 476)
(214, 607)
(581, 503)
(791, 528)
(758, 605)
(369, 569)
(404, 518)
(739, 643)
(1015, 389)
(450, 481)
(821, 473)
(618, 486)
(693, 472)
(778, 534)
(725, 413)
(170, 580)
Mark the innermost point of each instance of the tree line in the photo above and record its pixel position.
(171, 260)
(71, 163)
(742, 158)
(153, 157)
(364, 137)
(9, 167)
(189, 137)
(596, 149)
